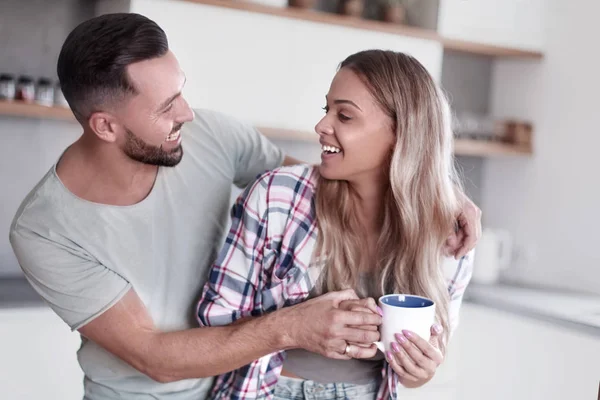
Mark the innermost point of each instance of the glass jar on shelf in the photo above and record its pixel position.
(25, 89)
(44, 93)
(7, 87)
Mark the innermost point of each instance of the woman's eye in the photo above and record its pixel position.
(343, 117)
(326, 109)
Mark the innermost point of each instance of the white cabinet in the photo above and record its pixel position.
(505, 356)
(266, 69)
(38, 356)
(510, 23)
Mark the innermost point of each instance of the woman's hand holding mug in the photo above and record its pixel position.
(414, 359)
(408, 339)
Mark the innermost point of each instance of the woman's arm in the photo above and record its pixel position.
(245, 281)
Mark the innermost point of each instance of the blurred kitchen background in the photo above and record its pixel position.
(522, 77)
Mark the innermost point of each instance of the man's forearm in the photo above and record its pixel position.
(127, 331)
(203, 352)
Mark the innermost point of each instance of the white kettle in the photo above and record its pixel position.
(493, 253)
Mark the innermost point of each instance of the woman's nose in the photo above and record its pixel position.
(323, 127)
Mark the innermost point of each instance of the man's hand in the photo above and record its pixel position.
(326, 325)
(468, 229)
(367, 305)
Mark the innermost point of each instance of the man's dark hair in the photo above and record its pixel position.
(93, 60)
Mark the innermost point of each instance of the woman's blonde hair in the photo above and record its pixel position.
(420, 204)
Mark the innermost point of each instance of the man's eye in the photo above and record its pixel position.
(169, 107)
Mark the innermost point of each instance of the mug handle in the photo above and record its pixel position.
(380, 346)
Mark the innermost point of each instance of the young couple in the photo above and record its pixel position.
(120, 235)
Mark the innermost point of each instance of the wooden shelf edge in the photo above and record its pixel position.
(489, 50)
(476, 148)
(372, 25)
(31, 110)
(463, 147)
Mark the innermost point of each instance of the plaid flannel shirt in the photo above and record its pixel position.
(267, 263)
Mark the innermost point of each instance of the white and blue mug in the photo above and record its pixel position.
(404, 311)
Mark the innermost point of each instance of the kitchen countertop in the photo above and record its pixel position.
(577, 311)
(17, 293)
(571, 310)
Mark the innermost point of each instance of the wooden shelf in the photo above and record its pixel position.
(21, 109)
(477, 148)
(372, 25)
(482, 49)
(462, 147)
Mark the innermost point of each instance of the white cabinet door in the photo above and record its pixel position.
(505, 356)
(38, 357)
(512, 23)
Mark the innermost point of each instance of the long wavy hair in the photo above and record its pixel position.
(420, 205)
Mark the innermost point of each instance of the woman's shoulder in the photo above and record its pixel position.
(294, 180)
(284, 190)
(291, 175)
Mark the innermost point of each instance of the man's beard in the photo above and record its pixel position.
(138, 150)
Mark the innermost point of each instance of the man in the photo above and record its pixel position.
(119, 235)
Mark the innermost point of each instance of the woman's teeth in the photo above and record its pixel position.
(330, 149)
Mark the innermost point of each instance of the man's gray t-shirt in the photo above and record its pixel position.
(82, 257)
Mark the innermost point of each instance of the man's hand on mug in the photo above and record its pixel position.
(368, 305)
(333, 327)
(414, 359)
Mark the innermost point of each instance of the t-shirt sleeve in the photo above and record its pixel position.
(250, 152)
(76, 286)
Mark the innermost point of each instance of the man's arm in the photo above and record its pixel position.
(127, 330)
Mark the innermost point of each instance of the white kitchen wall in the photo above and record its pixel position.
(550, 202)
(269, 70)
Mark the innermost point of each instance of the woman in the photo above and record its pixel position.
(374, 217)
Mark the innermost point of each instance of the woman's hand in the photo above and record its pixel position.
(414, 359)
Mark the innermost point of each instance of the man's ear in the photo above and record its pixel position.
(104, 125)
